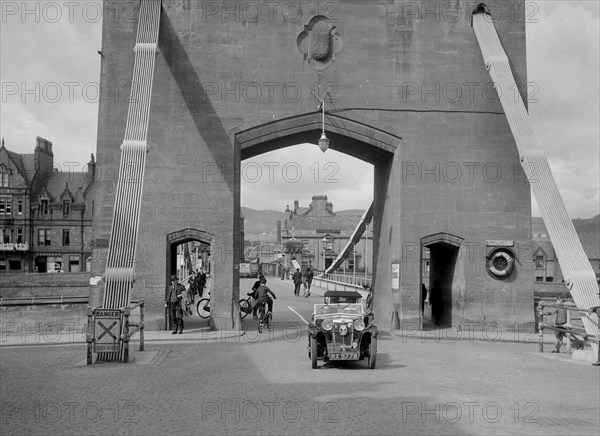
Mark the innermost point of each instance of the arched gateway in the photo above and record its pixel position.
(229, 86)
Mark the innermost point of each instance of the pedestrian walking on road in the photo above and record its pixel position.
(309, 278)
(560, 321)
(175, 304)
(297, 278)
(305, 280)
(201, 281)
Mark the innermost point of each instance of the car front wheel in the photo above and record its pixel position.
(313, 352)
(372, 353)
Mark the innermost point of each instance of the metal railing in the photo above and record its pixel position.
(568, 329)
(354, 280)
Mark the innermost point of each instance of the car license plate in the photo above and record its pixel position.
(343, 356)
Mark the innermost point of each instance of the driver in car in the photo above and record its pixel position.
(262, 295)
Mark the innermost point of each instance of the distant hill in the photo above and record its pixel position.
(587, 229)
(261, 225)
(257, 222)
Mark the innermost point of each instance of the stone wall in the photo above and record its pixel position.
(44, 324)
(45, 285)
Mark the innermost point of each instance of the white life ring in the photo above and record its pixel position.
(501, 263)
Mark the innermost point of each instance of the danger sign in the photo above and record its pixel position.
(107, 329)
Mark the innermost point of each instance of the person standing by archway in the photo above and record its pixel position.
(174, 303)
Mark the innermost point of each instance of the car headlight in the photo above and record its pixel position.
(359, 325)
(327, 324)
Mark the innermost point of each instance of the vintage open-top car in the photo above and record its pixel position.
(341, 330)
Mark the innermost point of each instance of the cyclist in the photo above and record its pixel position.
(262, 295)
(253, 294)
(261, 280)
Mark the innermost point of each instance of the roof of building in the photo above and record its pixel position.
(18, 161)
(29, 163)
(70, 183)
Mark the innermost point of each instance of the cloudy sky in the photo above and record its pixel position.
(49, 71)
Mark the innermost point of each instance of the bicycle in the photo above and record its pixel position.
(245, 306)
(264, 316)
(203, 307)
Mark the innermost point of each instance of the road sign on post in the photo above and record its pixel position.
(107, 330)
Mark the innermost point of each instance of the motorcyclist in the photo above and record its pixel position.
(263, 293)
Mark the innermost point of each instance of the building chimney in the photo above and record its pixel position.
(92, 168)
(279, 231)
(43, 156)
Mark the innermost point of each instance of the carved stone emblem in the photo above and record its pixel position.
(319, 42)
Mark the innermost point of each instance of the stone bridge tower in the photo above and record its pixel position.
(405, 88)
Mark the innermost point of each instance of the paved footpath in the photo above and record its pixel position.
(263, 384)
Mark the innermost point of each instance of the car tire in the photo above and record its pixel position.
(313, 352)
(372, 353)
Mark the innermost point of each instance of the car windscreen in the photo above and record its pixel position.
(345, 308)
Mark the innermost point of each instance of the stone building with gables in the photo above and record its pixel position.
(316, 235)
(45, 214)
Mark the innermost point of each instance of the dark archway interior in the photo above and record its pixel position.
(172, 260)
(443, 259)
(173, 241)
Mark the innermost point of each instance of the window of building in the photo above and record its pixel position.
(539, 262)
(54, 264)
(2, 265)
(19, 235)
(539, 279)
(44, 207)
(5, 233)
(74, 264)
(549, 279)
(550, 269)
(4, 173)
(66, 207)
(44, 237)
(14, 265)
(66, 237)
(5, 206)
(20, 207)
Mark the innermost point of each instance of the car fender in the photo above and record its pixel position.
(313, 330)
(372, 330)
